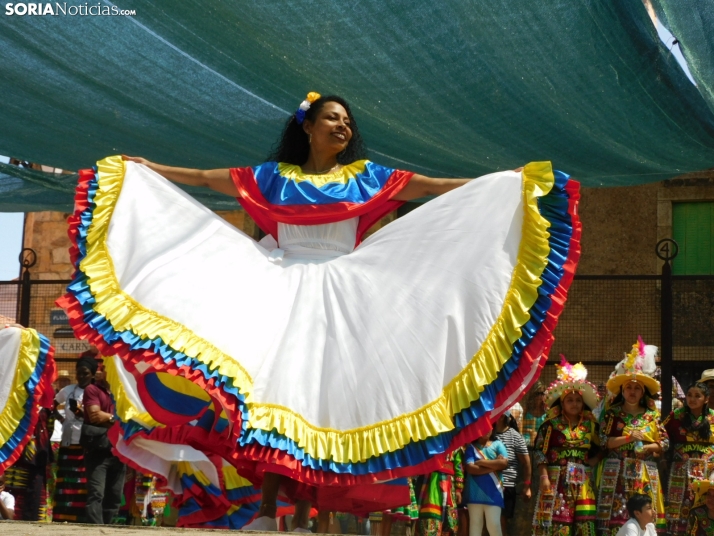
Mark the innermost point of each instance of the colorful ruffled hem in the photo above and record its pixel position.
(31, 389)
(251, 435)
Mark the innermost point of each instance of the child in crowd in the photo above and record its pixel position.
(506, 431)
(642, 517)
(484, 491)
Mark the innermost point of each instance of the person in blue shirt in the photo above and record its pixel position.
(484, 491)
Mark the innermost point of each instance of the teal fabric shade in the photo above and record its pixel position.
(448, 88)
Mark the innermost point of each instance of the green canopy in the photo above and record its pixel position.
(448, 88)
(693, 26)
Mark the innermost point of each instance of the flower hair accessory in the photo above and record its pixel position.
(572, 379)
(305, 106)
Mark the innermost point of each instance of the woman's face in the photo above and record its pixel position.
(572, 404)
(483, 440)
(695, 399)
(633, 392)
(84, 376)
(331, 131)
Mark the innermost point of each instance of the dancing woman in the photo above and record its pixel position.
(566, 450)
(635, 440)
(691, 454)
(701, 516)
(319, 358)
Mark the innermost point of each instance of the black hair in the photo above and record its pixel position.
(637, 502)
(88, 362)
(293, 147)
(512, 423)
(693, 425)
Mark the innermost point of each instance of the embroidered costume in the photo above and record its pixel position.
(699, 523)
(625, 472)
(569, 508)
(70, 498)
(306, 354)
(438, 501)
(409, 512)
(691, 458)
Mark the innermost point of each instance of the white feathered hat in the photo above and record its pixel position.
(639, 365)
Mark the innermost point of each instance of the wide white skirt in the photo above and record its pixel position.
(335, 371)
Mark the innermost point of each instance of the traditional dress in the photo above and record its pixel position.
(437, 499)
(568, 507)
(332, 361)
(408, 512)
(691, 458)
(70, 499)
(699, 523)
(622, 473)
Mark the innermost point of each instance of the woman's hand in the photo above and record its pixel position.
(637, 435)
(518, 170)
(545, 488)
(12, 326)
(652, 449)
(136, 159)
(527, 492)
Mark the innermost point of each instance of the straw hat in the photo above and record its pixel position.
(639, 365)
(571, 378)
(707, 375)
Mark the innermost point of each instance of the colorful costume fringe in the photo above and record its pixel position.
(691, 458)
(699, 523)
(622, 474)
(230, 393)
(570, 509)
(70, 500)
(438, 501)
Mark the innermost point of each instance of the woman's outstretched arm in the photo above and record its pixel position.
(421, 186)
(216, 179)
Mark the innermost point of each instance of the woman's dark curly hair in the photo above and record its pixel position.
(294, 147)
(693, 425)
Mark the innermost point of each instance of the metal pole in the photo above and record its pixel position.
(666, 349)
(667, 250)
(28, 258)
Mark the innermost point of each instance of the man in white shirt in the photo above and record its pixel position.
(7, 501)
(71, 397)
(642, 517)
